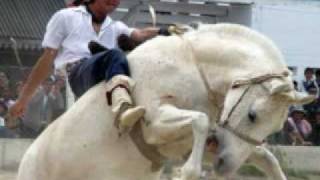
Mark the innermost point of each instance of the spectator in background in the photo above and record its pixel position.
(4, 84)
(4, 132)
(295, 85)
(3, 111)
(318, 77)
(8, 97)
(297, 129)
(309, 81)
(313, 106)
(4, 80)
(318, 83)
(18, 86)
(1, 88)
(315, 136)
(58, 94)
(39, 111)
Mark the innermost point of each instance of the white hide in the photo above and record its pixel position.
(83, 143)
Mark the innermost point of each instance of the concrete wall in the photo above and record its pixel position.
(300, 159)
(11, 152)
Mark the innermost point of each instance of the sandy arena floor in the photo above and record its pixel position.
(5, 175)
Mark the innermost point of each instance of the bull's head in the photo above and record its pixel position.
(251, 113)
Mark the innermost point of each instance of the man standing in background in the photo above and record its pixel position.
(39, 110)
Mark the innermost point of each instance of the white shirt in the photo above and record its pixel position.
(69, 31)
(2, 122)
(312, 81)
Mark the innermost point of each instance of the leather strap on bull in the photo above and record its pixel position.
(149, 151)
(258, 79)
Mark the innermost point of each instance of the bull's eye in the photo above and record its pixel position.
(252, 115)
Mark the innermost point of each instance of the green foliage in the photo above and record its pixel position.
(249, 170)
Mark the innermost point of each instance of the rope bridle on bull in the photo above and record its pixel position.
(258, 80)
(249, 82)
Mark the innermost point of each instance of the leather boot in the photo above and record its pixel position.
(118, 94)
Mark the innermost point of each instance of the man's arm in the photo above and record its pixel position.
(140, 35)
(39, 73)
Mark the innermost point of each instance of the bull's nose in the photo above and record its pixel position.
(220, 162)
(221, 165)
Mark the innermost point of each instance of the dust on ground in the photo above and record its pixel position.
(7, 175)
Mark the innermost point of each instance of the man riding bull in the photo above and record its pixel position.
(65, 44)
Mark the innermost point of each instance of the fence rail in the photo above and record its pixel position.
(135, 12)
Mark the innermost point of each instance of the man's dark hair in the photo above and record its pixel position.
(88, 1)
(318, 72)
(308, 70)
(4, 106)
(80, 2)
(77, 2)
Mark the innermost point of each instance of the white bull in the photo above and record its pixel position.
(221, 77)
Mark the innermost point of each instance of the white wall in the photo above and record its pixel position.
(295, 28)
(11, 152)
(290, 157)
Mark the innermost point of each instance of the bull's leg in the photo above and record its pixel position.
(172, 124)
(263, 159)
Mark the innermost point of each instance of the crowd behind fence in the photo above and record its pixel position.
(302, 126)
(46, 104)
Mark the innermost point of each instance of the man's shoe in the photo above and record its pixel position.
(119, 97)
(130, 117)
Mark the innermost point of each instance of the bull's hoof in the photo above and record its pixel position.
(187, 173)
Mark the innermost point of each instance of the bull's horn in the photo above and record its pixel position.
(302, 98)
(298, 98)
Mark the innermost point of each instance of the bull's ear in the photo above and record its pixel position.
(277, 86)
(280, 88)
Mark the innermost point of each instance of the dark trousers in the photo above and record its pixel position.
(99, 67)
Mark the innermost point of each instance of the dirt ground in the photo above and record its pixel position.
(7, 175)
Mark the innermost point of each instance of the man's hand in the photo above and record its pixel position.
(173, 29)
(17, 110)
(126, 43)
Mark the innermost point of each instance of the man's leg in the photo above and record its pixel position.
(111, 66)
